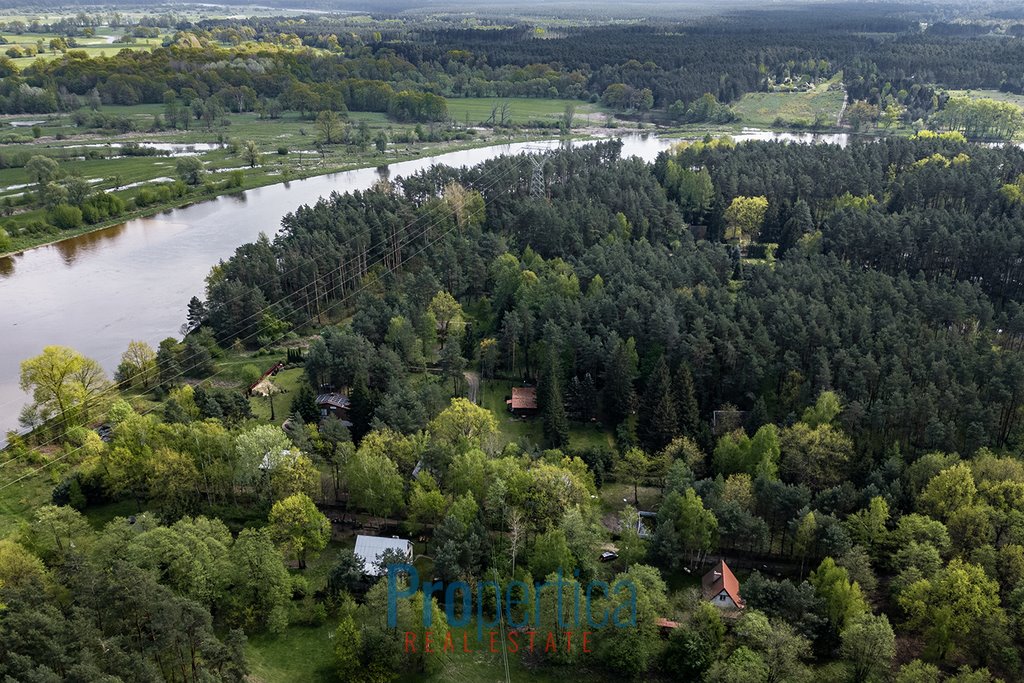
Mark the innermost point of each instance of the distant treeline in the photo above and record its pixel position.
(884, 57)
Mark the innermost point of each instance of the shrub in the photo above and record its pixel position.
(65, 216)
(145, 197)
(283, 151)
(100, 206)
(5, 240)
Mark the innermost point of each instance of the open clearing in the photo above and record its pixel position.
(521, 110)
(765, 109)
(1010, 97)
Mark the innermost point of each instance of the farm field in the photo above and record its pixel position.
(765, 110)
(522, 110)
(98, 45)
(997, 95)
(289, 148)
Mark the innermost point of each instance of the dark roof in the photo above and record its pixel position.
(523, 398)
(334, 400)
(721, 578)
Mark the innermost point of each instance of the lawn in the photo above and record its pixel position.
(477, 110)
(20, 500)
(616, 496)
(528, 431)
(304, 653)
(299, 655)
(763, 109)
(482, 666)
(515, 429)
(288, 381)
(100, 515)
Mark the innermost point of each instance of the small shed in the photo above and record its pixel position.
(370, 548)
(523, 401)
(721, 587)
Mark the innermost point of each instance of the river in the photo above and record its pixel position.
(97, 292)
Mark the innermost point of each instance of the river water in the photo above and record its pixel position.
(97, 292)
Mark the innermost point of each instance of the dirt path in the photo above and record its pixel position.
(473, 386)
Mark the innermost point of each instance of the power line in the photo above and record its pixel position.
(388, 269)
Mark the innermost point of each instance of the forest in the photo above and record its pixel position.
(372, 65)
(548, 371)
(821, 377)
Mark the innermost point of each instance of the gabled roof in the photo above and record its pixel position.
(524, 398)
(721, 578)
(370, 548)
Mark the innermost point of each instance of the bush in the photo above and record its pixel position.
(283, 151)
(5, 240)
(191, 170)
(100, 206)
(145, 197)
(65, 216)
(300, 587)
(34, 229)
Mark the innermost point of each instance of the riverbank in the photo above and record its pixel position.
(255, 178)
(260, 177)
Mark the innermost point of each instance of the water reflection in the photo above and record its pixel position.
(69, 249)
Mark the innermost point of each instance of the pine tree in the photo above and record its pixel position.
(555, 423)
(361, 411)
(196, 313)
(304, 405)
(658, 417)
(581, 398)
(687, 410)
(619, 396)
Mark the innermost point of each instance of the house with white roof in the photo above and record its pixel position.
(370, 548)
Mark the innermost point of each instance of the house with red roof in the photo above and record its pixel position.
(523, 401)
(721, 587)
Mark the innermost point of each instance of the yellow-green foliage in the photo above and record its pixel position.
(1013, 192)
(950, 135)
(724, 142)
(943, 161)
(852, 201)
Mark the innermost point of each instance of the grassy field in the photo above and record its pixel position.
(515, 429)
(288, 146)
(763, 109)
(304, 654)
(521, 109)
(616, 496)
(527, 431)
(288, 382)
(19, 501)
(301, 654)
(1010, 97)
(93, 46)
(100, 515)
(482, 666)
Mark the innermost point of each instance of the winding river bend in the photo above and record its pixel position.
(97, 292)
